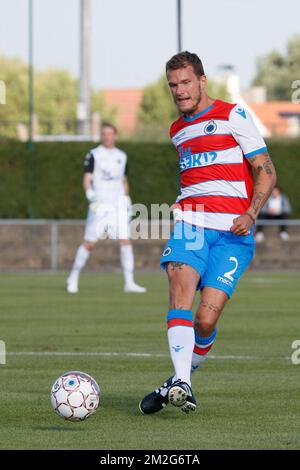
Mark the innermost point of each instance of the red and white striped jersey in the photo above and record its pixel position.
(213, 147)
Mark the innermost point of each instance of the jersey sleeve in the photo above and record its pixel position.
(245, 132)
(125, 162)
(89, 163)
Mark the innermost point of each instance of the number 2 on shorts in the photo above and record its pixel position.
(228, 275)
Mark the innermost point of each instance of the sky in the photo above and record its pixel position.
(132, 39)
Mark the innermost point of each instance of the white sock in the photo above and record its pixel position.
(198, 357)
(127, 263)
(197, 360)
(181, 338)
(201, 349)
(81, 257)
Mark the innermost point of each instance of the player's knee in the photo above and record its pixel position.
(125, 242)
(89, 245)
(204, 327)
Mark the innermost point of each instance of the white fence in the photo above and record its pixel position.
(55, 224)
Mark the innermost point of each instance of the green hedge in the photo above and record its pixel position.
(47, 182)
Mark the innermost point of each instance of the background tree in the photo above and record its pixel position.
(55, 99)
(277, 71)
(14, 74)
(98, 104)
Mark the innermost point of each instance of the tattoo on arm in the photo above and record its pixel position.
(176, 264)
(267, 165)
(252, 160)
(265, 170)
(257, 201)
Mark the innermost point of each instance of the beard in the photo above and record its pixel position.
(191, 105)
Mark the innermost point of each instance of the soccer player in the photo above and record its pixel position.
(219, 148)
(107, 191)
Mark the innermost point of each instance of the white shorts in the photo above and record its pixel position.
(107, 223)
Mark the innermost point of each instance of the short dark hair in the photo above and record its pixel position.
(183, 59)
(109, 124)
(278, 187)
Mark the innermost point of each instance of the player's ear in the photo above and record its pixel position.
(203, 81)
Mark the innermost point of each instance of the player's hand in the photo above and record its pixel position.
(128, 203)
(242, 225)
(177, 213)
(91, 196)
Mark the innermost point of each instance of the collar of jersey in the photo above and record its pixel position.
(199, 114)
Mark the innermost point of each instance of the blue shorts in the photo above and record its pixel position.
(219, 257)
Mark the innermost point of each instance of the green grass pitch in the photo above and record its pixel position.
(248, 391)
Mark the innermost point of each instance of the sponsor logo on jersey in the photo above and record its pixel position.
(241, 112)
(184, 152)
(225, 281)
(210, 128)
(197, 159)
(107, 175)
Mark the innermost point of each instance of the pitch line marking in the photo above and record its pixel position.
(130, 354)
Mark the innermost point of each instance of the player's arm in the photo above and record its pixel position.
(87, 183)
(255, 151)
(125, 179)
(126, 192)
(126, 186)
(266, 178)
(265, 182)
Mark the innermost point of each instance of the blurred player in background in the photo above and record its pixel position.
(218, 148)
(107, 191)
(278, 207)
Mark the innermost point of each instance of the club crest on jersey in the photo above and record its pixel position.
(210, 127)
(167, 251)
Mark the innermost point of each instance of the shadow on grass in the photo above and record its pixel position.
(116, 406)
(128, 405)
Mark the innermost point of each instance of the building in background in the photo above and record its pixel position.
(273, 118)
(127, 102)
(281, 118)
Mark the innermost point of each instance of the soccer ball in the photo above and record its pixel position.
(75, 396)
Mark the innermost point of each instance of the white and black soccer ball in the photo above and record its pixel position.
(75, 396)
